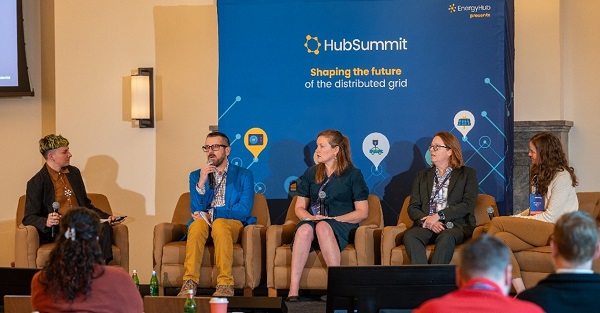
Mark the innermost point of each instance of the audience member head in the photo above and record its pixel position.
(70, 268)
(485, 257)
(343, 157)
(451, 145)
(575, 241)
(547, 158)
(50, 143)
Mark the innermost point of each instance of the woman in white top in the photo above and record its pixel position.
(553, 179)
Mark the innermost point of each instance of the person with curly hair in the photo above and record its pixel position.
(552, 178)
(75, 278)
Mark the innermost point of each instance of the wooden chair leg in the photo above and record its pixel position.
(272, 292)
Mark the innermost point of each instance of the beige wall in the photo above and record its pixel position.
(143, 171)
(538, 77)
(581, 79)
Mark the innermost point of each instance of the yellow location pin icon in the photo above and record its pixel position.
(255, 140)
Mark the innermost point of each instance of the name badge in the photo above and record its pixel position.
(315, 209)
(536, 204)
(432, 208)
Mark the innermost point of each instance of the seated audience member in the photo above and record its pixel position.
(483, 276)
(75, 278)
(60, 184)
(574, 287)
(442, 203)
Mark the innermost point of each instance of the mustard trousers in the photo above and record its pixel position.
(224, 233)
(520, 234)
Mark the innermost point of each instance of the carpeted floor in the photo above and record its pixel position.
(307, 305)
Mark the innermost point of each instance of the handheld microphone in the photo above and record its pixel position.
(211, 177)
(322, 196)
(54, 229)
(490, 212)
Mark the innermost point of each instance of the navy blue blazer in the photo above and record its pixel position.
(565, 293)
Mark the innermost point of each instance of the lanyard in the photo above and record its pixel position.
(324, 184)
(438, 186)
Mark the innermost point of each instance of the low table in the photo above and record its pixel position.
(162, 304)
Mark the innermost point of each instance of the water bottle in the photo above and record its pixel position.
(153, 285)
(136, 280)
(190, 303)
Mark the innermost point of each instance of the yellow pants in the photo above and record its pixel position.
(224, 233)
(520, 234)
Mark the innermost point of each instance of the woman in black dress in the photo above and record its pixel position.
(346, 203)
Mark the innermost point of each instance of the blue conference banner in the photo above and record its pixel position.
(388, 74)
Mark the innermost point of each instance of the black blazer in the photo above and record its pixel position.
(565, 293)
(40, 196)
(462, 196)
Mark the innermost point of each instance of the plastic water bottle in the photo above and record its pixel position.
(153, 285)
(190, 303)
(136, 280)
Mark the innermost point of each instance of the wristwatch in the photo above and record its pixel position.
(442, 216)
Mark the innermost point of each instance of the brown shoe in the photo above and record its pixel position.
(223, 291)
(187, 285)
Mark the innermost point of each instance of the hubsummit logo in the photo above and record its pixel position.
(313, 45)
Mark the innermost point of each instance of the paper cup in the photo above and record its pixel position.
(218, 305)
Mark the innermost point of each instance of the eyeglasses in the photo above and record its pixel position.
(214, 147)
(436, 147)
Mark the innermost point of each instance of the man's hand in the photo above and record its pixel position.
(204, 171)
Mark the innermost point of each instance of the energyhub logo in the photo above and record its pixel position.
(475, 11)
(314, 45)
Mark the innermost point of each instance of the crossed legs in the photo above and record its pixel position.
(520, 234)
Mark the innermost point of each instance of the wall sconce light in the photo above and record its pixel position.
(142, 97)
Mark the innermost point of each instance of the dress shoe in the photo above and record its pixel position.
(187, 285)
(292, 299)
(223, 291)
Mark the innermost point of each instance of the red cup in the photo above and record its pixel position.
(218, 305)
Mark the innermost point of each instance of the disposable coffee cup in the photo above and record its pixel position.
(218, 305)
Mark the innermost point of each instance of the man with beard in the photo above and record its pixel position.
(222, 196)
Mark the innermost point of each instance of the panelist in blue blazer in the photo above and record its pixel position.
(222, 195)
(442, 203)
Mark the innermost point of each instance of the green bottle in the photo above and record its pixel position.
(190, 303)
(153, 285)
(136, 280)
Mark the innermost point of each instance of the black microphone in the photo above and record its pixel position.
(490, 212)
(322, 196)
(211, 177)
(54, 228)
